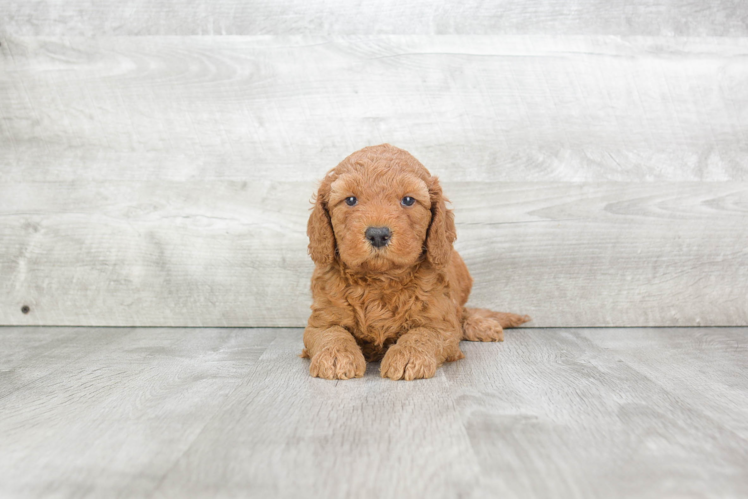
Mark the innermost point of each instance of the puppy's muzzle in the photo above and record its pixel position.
(378, 236)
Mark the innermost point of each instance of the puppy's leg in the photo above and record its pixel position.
(334, 353)
(418, 354)
(484, 325)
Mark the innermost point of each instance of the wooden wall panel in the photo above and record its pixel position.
(153, 179)
(582, 109)
(230, 253)
(284, 17)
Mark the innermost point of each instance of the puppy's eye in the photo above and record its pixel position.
(408, 201)
(351, 200)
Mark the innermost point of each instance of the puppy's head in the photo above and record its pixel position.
(380, 210)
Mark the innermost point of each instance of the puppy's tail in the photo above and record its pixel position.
(506, 320)
(484, 325)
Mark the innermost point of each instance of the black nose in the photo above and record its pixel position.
(378, 236)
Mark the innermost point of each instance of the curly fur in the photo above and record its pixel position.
(403, 304)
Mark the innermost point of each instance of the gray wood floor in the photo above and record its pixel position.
(233, 412)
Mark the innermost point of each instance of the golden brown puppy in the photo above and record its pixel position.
(387, 284)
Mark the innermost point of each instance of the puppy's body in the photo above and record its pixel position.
(379, 310)
(387, 283)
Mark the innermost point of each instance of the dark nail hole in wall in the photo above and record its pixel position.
(25, 309)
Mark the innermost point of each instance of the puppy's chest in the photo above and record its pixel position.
(383, 314)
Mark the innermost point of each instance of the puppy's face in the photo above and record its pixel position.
(380, 217)
(379, 210)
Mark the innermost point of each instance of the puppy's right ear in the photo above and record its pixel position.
(442, 232)
(319, 228)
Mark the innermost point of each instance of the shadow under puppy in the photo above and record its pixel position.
(387, 284)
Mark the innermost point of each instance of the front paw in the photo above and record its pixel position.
(407, 362)
(338, 362)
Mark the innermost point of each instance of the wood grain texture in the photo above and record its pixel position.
(225, 253)
(116, 418)
(29, 354)
(552, 414)
(169, 254)
(292, 17)
(234, 413)
(317, 438)
(672, 358)
(493, 108)
(234, 254)
(164, 181)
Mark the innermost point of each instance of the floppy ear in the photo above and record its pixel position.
(442, 232)
(319, 229)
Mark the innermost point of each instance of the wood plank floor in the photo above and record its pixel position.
(124, 412)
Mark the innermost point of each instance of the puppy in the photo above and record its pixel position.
(387, 284)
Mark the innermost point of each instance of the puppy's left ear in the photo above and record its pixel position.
(319, 228)
(442, 232)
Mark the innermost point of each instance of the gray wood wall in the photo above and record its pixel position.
(154, 171)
